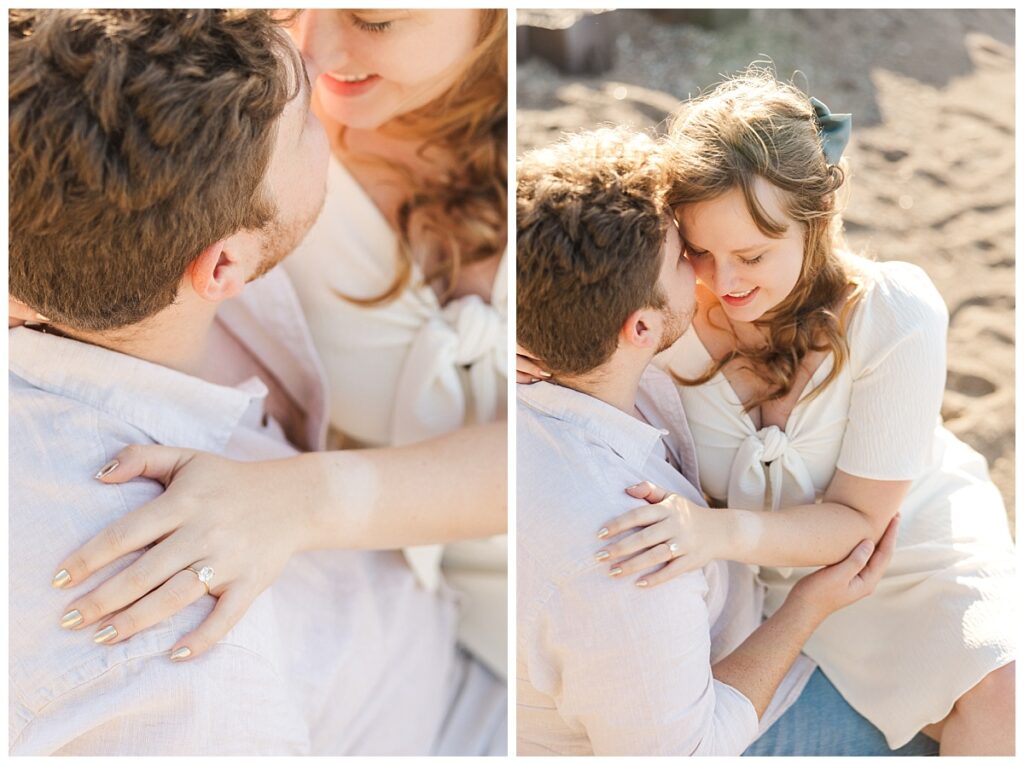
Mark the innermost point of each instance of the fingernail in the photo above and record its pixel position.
(642, 583)
(615, 571)
(107, 469)
(40, 317)
(602, 533)
(61, 579)
(71, 619)
(106, 634)
(545, 374)
(181, 653)
(603, 555)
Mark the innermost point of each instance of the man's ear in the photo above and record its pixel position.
(642, 329)
(216, 274)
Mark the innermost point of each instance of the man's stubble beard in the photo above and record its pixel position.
(282, 239)
(675, 324)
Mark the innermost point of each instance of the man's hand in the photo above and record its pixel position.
(841, 584)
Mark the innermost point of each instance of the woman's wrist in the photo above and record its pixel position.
(742, 533)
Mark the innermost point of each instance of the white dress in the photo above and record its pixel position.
(405, 371)
(943, 616)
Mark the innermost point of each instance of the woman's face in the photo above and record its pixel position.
(375, 65)
(749, 272)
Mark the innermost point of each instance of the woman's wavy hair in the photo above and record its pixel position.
(754, 126)
(462, 217)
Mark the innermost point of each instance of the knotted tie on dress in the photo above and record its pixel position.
(431, 401)
(766, 460)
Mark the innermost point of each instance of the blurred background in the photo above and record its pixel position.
(932, 154)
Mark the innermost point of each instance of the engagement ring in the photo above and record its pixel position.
(205, 575)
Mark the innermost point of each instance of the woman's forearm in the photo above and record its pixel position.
(803, 535)
(448, 488)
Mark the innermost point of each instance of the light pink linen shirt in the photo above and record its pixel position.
(343, 654)
(604, 667)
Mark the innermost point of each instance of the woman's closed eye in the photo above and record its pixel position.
(372, 26)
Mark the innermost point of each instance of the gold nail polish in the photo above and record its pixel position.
(107, 469)
(615, 571)
(642, 583)
(602, 555)
(181, 654)
(61, 579)
(602, 533)
(71, 619)
(105, 635)
(40, 317)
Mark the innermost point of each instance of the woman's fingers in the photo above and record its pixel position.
(528, 368)
(147, 461)
(524, 379)
(18, 313)
(638, 517)
(677, 567)
(128, 533)
(231, 606)
(636, 542)
(650, 558)
(149, 571)
(178, 592)
(648, 491)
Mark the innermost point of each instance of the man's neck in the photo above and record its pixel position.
(177, 337)
(615, 382)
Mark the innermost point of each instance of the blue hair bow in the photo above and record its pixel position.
(834, 130)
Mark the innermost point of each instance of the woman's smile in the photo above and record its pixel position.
(740, 298)
(349, 84)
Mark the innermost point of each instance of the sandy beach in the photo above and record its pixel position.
(932, 155)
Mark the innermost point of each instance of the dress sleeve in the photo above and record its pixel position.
(898, 359)
(635, 672)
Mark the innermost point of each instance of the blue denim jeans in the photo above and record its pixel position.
(820, 723)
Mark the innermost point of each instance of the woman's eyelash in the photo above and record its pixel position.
(752, 261)
(371, 26)
(694, 252)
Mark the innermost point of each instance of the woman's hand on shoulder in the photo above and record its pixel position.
(667, 537)
(18, 313)
(216, 513)
(528, 369)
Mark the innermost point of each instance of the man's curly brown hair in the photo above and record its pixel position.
(591, 220)
(137, 139)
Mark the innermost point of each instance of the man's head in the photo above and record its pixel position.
(599, 262)
(151, 150)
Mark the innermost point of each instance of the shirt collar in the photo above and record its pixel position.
(629, 437)
(170, 407)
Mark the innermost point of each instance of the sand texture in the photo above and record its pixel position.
(932, 155)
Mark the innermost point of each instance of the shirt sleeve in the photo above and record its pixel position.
(898, 359)
(635, 671)
(226, 702)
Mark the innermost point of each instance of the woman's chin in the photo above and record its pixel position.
(349, 113)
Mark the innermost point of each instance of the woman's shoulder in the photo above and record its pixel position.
(896, 296)
(897, 302)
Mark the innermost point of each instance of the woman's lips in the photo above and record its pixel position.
(740, 301)
(348, 87)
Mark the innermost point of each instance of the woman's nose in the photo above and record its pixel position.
(724, 278)
(321, 41)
